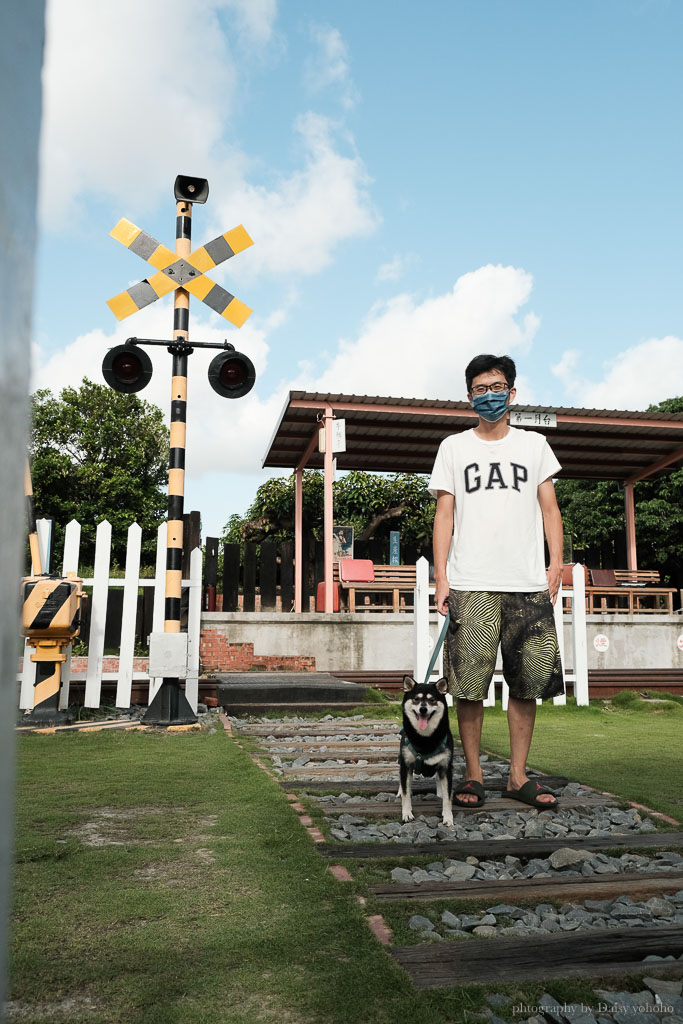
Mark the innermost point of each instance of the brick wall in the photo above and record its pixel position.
(217, 655)
(79, 666)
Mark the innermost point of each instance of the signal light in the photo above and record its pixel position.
(231, 374)
(127, 368)
(191, 190)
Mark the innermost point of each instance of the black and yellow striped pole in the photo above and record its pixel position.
(176, 462)
(170, 706)
(128, 369)
(34, 546)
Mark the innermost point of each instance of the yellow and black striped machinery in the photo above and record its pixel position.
(50, 620)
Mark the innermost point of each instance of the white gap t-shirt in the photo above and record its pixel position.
(498, 536)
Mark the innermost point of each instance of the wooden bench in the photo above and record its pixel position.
(389, 579)
(637, 577)
(624, 591)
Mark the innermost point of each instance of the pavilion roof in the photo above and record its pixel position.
(402, 435)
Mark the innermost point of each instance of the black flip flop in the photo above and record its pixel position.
(472, 787)
(529, 794)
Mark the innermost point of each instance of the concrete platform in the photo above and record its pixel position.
(286, 689)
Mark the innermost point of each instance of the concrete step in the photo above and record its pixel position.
(284, 689)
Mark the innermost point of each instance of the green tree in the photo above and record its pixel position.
(97, 454)
(593, 514)
(371, 503)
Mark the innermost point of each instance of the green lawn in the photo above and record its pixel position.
(165, 880)
(625, 746)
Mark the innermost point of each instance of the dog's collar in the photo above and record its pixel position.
(419, 758)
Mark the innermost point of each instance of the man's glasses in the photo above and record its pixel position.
(481, 389)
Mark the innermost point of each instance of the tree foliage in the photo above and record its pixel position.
(593, 514)
(371, 503)
(97, 454)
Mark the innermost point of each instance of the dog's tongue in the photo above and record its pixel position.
(422, 722)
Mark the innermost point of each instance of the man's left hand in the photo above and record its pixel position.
(554, 577)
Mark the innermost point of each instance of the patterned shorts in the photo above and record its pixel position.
(524, 626)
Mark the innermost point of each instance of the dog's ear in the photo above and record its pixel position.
(442, 685)
(408, 683)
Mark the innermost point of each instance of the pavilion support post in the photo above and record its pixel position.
(629, 505)
(329, 510)
(298, 536)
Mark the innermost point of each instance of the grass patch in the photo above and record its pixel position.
(164, 879)
(626, 748)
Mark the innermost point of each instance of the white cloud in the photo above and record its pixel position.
(297, 224)
(641, 375)
(255, 18)
(129, 88)
(420, 349)
(126, 92)
(329, 66)
(394, 269)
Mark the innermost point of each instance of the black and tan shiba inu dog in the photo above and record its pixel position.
(426, 743)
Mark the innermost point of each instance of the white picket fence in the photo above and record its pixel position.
(100, 583)
(426, 635)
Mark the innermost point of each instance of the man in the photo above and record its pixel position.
(490, 574)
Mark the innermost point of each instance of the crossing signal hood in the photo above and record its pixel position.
(127, 368)
(231, 373)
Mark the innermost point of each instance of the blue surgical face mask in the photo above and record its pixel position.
(492, 405)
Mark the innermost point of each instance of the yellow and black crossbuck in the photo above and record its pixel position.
(176, 272)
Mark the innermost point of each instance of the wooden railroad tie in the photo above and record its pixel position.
(419, 785)
(636, 884)
(598, 953)
(484, 848)
(375, 809)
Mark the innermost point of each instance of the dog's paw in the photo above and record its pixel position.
(408, 817)
(448, 819)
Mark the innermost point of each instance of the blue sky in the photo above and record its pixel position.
(422, 183)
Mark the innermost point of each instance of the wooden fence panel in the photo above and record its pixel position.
(98, 614)
(129, 602)
(112, 625)
(319, 566)
(268, 575)
(194, 615)
(72, 547)
(28, 675)
(361, 549)
(159, 599)
(306, 577)
(145, 616)
(249, 578)
(210, 574)
(192, 538)
(287, 575)
(231, 576)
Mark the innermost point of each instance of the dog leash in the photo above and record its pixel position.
(439, 642)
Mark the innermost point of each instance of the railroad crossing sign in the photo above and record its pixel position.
(173, 272)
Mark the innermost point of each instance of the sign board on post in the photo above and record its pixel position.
(338, 437)
(532, 418)
(394, 547)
